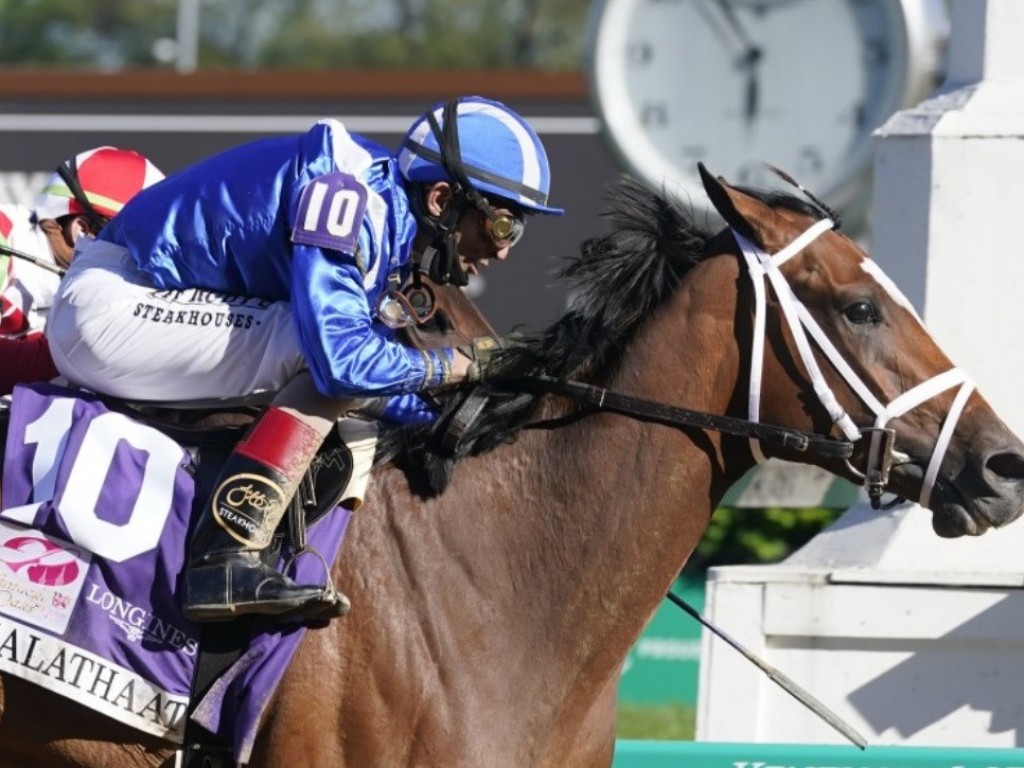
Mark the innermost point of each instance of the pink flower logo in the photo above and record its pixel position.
(39, 560)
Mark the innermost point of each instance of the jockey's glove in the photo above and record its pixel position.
(481, 352)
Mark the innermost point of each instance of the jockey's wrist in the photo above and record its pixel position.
(439, 368)
(456, 366)
(447, 355)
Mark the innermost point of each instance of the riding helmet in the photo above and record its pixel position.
(500, 152)
(106, 177)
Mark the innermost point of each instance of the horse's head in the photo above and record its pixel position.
(845, 353)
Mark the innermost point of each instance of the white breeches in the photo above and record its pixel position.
(112, 331)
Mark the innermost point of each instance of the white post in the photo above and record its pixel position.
(188, 36)
(910, 638)
(948, 202)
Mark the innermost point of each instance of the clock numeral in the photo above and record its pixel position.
(654, 114)
(810, 161)
(876, 52)
(640, 54)
(860, 116)
(856, 116)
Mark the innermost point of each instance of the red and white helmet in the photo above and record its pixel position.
(6, 227)
(106, 177)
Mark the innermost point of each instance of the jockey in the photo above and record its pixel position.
(78, 199)
(274, 267)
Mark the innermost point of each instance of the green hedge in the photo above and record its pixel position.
(755, 536)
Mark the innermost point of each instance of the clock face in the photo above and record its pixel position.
(799, 84)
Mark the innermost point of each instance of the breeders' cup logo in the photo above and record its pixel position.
(241, 504)
(40, 577)
(40, 561)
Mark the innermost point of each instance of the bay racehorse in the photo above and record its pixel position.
(495, 597)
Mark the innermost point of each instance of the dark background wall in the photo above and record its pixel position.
(178, 119)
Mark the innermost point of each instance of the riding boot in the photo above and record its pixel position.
(226, 576)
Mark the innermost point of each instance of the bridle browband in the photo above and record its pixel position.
(882, 455)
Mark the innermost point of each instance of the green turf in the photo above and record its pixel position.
(668, 721)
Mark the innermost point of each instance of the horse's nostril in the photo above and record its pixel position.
(1009, 466)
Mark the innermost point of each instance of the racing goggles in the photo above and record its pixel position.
(503, 227)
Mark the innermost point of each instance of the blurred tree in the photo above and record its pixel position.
(756, 536)
(298, 34)
(107, 35)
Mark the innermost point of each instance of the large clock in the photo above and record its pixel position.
(799, 84)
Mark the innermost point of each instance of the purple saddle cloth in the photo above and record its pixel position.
(95, 514)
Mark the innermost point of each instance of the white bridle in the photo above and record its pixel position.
(880, 455)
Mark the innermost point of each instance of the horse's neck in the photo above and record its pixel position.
(580, 531)
(622, 503)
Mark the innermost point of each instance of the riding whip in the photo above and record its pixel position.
(34, 259)
(784, 682)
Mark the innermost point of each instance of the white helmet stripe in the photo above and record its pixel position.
(531, 172)
(528, 152)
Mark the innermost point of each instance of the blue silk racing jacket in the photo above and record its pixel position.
(319, 219)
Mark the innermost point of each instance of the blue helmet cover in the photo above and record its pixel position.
(501, 153)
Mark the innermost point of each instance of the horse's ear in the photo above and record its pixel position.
(745, 214)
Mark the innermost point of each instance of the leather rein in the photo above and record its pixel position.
(601, 399)
(882, 455)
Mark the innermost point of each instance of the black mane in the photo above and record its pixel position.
(617, 280)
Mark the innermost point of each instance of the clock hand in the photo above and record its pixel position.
(725, 6)
(749, 61)
(752, 91)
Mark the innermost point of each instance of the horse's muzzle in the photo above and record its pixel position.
(987, 492)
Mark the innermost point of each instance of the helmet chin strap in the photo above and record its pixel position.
(68, 171)
(440, 259)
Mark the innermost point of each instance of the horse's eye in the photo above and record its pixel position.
(861, 313)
